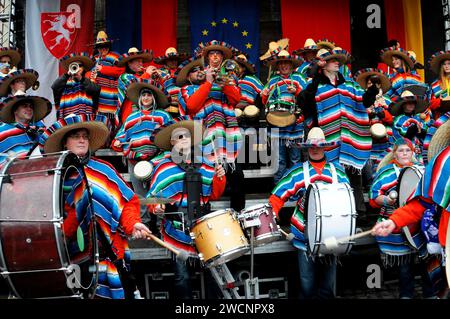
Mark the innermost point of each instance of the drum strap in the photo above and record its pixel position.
(307, 176)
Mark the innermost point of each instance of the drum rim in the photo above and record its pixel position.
(212, 262)
(251, 208)
(213, 214)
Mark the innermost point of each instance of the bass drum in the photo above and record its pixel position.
(408, 180)
(47, 231)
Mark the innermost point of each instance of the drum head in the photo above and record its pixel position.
(251, 111)
(280, 119)
(378, 130)
(408, 180)
(238, 112)
(310, 217)
(143, 170)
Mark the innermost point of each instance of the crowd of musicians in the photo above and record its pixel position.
(330, 126)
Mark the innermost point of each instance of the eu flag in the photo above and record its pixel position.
(233, 21)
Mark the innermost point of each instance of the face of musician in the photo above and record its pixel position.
(196, 75)
(373, 80)
(242, 69)
(215, 58)
(146, 100)
(136, 65)
(172, 64)
(285, 67)
(77, 142)
(403, 154)
(397, 62)
(309, 55)
(24, 112)
(18, 85)
(103, 50)
(409, 107)
(316, 153)
(446, 67)
(332, 66)
(181, 139)
(6, 60)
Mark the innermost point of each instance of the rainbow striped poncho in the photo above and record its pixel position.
(303, 68)
(251, 87)
(108, 84)
(74, 100)
(399, 79)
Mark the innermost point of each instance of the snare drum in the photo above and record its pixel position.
(407, 183)
(251, 111)
(330, 212)
(219, 238)
(378, 131)
(262, 219)
(143, 170)
(37, 258)
(238, 113)
(281, 115)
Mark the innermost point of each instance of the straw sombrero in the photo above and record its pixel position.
(161, 136)
(408, 96)
(316, 138)
(364, 74)
(102, 39)
(83, 57)
(440, 140)
(134, 53)
(52, 137)
(310, 45)
(388, 53)
(436, 60)
(13, 53)
(338, 53)
(184, 69)
(284, 55)
(135, 87)
(242, 59)
(171, 53)
(29, 75)
(42, 107)
(275, 48)
(326, 44)
(204, 48)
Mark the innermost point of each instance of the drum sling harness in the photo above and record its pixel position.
(307, 176)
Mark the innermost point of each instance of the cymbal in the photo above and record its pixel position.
(156, 200)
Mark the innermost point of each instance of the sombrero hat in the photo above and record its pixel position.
(135, 87)
(41, 107)
(134, 53)
(388, 53)
(407, 96)
(437, 59)
(29, 75)
(242, 59)
(338, 53)
(389, 157)
(204, 48)
(440, 140)
(310, 45)
(171, 53)
(161, 136)
(52, 137)
(102, 38)
(362, 75)
(275, 48)
(13, 53)
(326, 44)
(83, 57)
(184, 69)
(316, 138)
(284, 55)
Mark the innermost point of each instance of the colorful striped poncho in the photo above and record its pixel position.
(168, 181)
(251, 87)
(136, 133)
(75, 100)
(303, 68)
(399, 79)
(292, 187)
(396, 243)
(276, 92)
(107, 80)
(343, 118)
(170, 88)
(220, 121)
(15, 141)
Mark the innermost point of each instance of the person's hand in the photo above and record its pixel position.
(390, 201)
(384, 228)
(292, 89)
(160, 209)
(211, 74)
(140, 231)
(220, 171)
(117, 143)
(321, 63)
(150, 70)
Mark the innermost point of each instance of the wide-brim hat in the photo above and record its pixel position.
(440, 140)
(41, 107)
(437, 59)
(134, 53)
(316, 138)
(326, 44)
(204, 48)
(363, 75)
(407, 96)
(275, 48)
(338, 53)
(162, 136)
(242, 59)
(184, 69)
(102, 39)
(135, 87)
(284, 55)
(388, 53)
(13, 53)
(83, 57)
(171, 53)
(53, 136)
(310, 45)
(29, 75)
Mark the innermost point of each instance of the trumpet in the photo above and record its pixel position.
(228, 69)
(35, 86)
(74, 67)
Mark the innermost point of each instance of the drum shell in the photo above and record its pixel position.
(268, 230)
(408, 180)
(281, 115)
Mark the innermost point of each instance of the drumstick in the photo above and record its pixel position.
(181, 254)
(333, 243)
(289, 236)
(215, 155)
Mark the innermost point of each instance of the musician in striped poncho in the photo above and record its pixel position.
(293, 186)
(115, 205)
(308, 53)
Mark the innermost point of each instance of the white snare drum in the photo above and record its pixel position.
(378, 131)
(330, 212)
(143, 170)
(281, 115)
(407, 183)
(238, 112)
(251, 111)
(262, 219)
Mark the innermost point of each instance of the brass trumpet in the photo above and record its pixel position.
(74, 67)
(35, 86)
(228, 69)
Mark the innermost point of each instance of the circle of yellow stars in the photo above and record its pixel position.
(244, 33)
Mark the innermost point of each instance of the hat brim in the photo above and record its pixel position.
(162, 138)
(180, 57)
(250, 68)
(304, 50)
(13, 54)
(326, 145)
(385, 82)
(396, 108)
(87, 62)
(440, 140)
(328, 45)
(295, 62)
(135, 88)
(145, 56)
(182, 75)
(387, 159)
(41, 108)
(341, 57)
(386, 57)
(435, 63)
(98, 133)
(30, 78)
(227, 53)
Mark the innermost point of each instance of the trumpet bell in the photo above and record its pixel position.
(35, 86)
(74, 67)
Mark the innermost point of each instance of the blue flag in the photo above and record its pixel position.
(233, 21)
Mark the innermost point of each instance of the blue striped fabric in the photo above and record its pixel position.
(74, 100)
(303, 68)
(399, 79)
(108, 84)
(251, 87)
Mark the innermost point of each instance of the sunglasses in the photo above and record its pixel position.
(180, 136)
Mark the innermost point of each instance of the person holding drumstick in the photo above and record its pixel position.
(293, 186)
(115, 205)
(188, 179)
